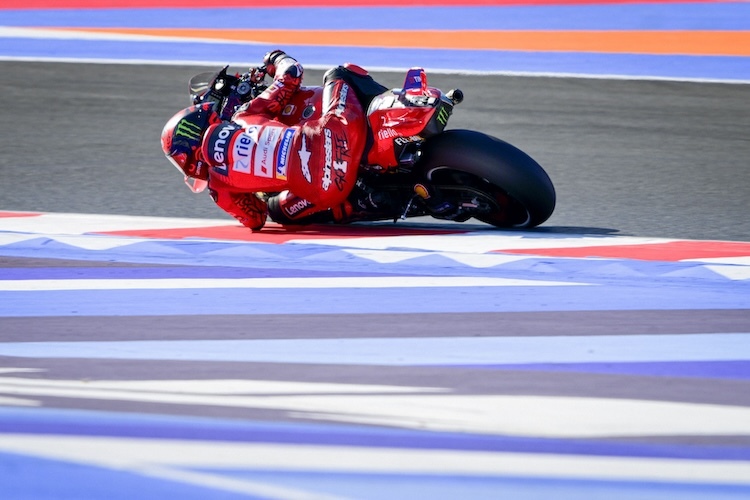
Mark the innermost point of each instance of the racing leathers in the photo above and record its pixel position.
(313, 165)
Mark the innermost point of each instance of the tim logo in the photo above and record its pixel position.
(188, 130)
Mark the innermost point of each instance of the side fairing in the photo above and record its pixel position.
(397, 115)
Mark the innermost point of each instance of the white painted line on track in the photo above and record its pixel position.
(468, 259)
(218, 386)
(55, 33)
(410, 351)
(78, 224)
(483, 242)
(412, 408)
(738, 272)
(371, 68)
(138, 454)
(272, 283)
(245, 486)
(6, 401)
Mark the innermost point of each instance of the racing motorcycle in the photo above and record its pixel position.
(414, 167)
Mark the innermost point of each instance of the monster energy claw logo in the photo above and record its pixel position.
(188, 129)
(442, 116)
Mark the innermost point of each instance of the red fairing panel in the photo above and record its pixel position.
(391, 118)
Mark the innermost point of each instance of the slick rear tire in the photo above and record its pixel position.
(519, 183)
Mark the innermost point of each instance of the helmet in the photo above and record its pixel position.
(181, 141)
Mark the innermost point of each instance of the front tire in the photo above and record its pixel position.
(523, 192)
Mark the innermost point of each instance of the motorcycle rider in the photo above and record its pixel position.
(312, 166)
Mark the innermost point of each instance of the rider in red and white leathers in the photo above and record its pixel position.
(313, 166)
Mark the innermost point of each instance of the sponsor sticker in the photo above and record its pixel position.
(283, 156)
(242, 149)
(253, 131)
(218, 147)
(263, 159)
(297, 207)
(387, 133)
(308, 111)
(188, 130)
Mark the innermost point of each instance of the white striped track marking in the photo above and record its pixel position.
(159, 458)
(434, 409)
(268, 283)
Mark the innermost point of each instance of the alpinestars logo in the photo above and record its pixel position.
(304, 156)
(342, 100)
(188, 130)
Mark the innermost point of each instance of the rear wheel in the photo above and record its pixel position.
(478, 198)
(507, 187)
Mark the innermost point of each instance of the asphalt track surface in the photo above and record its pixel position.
(643, 158)
(640, 158)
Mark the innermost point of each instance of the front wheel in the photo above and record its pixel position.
(508, 187)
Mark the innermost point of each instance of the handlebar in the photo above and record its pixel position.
(228, 91)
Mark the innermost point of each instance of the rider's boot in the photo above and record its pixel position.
(335, 92)
(363, 85)
(365, 199)
(363, 203)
